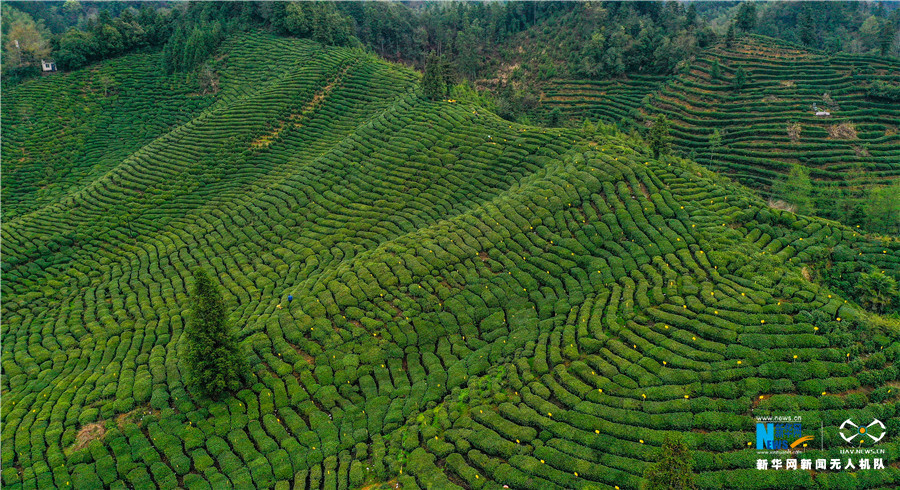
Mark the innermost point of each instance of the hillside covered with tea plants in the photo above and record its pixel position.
(762, 96)
(476, 303)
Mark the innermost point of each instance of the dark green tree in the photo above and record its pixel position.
(469, 45)
(690, 17)
(715, 142)
(214, 359)
(659, 136)
(588, 128)
(740, 79)
(716, 70)
(886, 37)
(555, 117)
(882, 208)
(746, 16)
(447, 70)
(76, 49)
(807, 25)
(877, 290)
(434, 85)
(674, 467)
(729, 36)
(797, 190)
(319, 21)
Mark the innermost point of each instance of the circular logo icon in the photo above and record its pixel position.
(850, 431)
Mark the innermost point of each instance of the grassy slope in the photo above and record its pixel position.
(784, 83)
(464, 289)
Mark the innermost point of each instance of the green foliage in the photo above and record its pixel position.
(647, 39)
(878, 291)
(108, 37)
(434, 84)
(880, 89)
(882, 208)
(319, 21)
(214, 359)
(740, 79)
(25, 42)
(673, 469)
(836, 26)
(554, 118)
(186, 50)
(658, 139)
(797, 189)
(746, 16)
(715, 142)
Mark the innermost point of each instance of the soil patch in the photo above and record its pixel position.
(843, 131)
(87, 434)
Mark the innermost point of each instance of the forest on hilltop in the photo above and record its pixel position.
(478, 36)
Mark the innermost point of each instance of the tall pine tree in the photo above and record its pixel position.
(214, 359)
(659, 136)
(740, 78)
(715, 142)
(674, 468)
(796, 189)
(746, 16)
(434, 84)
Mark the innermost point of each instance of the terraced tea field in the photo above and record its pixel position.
(476, 303)
(783, 84)
(63, 133)
(602, 100)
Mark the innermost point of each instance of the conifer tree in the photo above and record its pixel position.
(746, 16)
(588, 128)
(555, 117)
(882, 207)
(659, 136)
(797, 190)
(674, 468)
(715, 142)
(740, 78)
(729, 36)
(434, 85)
(214, 359)
(807, 25)
(716, 71)
(886, 37)
(447, 72)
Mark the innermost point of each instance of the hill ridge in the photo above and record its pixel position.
(475, 303)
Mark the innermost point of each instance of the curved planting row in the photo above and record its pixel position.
(609, 101)
(63, 131)
(476, 303)
(769, 123)
(649, 301)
